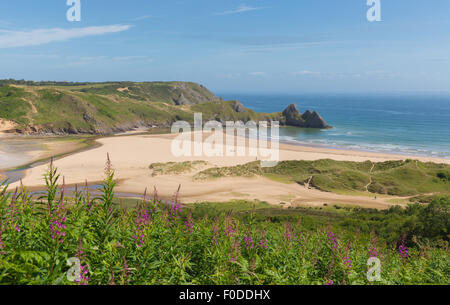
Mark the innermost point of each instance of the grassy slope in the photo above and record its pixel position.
(12, 107)
(401, 178)
(108, 107)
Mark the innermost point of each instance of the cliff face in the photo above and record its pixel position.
(292, 117)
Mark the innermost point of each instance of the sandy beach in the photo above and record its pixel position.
(131, 156)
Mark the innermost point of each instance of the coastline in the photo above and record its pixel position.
(344, 148)
(359, 155)
(132, 155)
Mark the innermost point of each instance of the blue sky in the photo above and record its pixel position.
(252, 46)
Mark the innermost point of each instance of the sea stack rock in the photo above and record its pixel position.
(316, 121)
(307, 115)
(292, 117)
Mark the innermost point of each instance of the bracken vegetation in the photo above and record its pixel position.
(165, 243)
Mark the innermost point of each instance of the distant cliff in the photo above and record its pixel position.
(104, 108)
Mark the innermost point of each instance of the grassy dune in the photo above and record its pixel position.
(175, 167)
(399, 178)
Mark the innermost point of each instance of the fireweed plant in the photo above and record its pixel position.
(160, 243)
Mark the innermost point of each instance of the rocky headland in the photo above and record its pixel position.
(49, 108)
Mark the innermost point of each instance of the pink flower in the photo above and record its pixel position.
(263, 243)
(332, 239)
(84, 278)
(403, 249)
(57, 229)
(189, 224)
(248, 242)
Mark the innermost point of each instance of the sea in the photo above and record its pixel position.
(416, 125)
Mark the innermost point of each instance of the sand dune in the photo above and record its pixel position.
(132, 155)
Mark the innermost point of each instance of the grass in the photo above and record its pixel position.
(409, 177)
(398, 178)
(12, 106)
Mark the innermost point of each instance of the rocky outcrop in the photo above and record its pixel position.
(316, 121)
(191, 94)
(237, 106)
(182, 100)
(307, 115)
(292, 117)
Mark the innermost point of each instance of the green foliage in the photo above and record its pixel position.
(157, 243)
(445, 176)
(434, 219)
(429, 221)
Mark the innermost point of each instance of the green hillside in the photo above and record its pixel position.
(101, 108)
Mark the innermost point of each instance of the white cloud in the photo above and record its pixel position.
(12, 39)
(258, 74)
(241, 9)
(306, 72)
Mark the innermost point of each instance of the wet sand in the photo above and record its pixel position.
(17, 151)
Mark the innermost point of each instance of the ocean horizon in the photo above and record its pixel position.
(397, 124)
